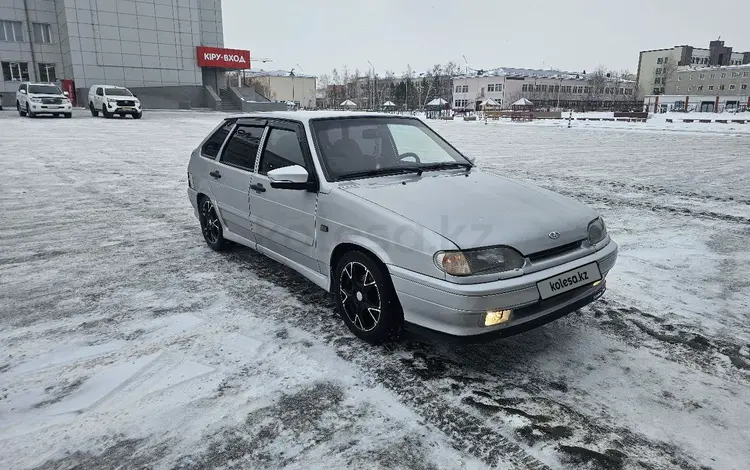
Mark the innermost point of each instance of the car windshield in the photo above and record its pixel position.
(363, 147)
(117, 92)
(44, 89)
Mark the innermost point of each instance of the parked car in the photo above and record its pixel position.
(111, 100)
(402, 229)
(33, 99)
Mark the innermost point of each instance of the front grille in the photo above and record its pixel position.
(51, 101)
(125, 103)
(556, 251)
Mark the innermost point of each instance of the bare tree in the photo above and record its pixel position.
(261, 86)
(668, 73)
(324, 82)
(336, 79)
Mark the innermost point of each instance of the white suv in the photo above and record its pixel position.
(111, 100)
(42, 98)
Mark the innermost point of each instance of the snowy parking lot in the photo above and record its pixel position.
(126, 343)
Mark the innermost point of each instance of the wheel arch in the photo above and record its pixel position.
(368, 249)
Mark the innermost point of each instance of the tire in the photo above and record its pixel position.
(93, 110)
(137, 115)
(211, 228)
(18, 108)
(365, 298)
(68, 115)
(28, 111)
(105, 113)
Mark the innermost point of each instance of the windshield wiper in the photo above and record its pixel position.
(446, 166)
(396, 170)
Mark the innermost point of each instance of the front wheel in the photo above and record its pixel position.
(68, 115)
(20, 111)
(211, 225)
(365, 298)
(137, 115)
(28, 111)
(106, 113)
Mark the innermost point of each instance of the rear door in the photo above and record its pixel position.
(284, 219)
(231, 174)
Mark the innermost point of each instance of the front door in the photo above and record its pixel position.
(230, 178)
(284, 219)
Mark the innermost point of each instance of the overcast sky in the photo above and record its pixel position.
(571, 35)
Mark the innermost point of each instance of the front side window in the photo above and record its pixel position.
(212, 146)
(11, 31)
(15, 71)
(42, 32)
(361, 147)
(47, 73)
(44, 90)
(100, 91)
(282, 149)
(242, 148)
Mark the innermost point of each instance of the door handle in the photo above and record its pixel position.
(258, 188)
(215, 174)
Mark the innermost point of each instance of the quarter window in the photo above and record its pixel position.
(11, 31)
(213, 145)
(242, 148)
(282, 149)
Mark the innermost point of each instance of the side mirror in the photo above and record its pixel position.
(23, 92)
(65, 93)
(290, 177)
(472, 160)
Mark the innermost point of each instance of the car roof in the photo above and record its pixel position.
(306, 116)
(107, 86)
(38, 83)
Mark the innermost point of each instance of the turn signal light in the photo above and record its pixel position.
(495, 317)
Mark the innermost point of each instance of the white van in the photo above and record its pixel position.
(111, 100)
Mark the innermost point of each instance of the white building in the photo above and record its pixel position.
(545, 88)
(283, 86)
(656, 67)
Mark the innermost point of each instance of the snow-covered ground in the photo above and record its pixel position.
(126, 342)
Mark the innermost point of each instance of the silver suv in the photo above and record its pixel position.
(397, 224)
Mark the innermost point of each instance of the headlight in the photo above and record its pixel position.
(36, 100)
(481, 261)
(112, 100)
(597, 231)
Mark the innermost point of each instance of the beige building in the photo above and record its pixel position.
(545, 88)
(657, 67)
(281, 86)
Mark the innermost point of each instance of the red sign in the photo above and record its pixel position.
(223, 58)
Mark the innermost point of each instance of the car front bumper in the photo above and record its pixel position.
(437, 307)
(115, 109)
(39, 108)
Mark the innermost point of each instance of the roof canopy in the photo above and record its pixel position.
(349, 104)
(490, 102)
(523, 102)
(389, 103)
(437, 102)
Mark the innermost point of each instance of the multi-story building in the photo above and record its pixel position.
(154, 46)
(284, 86)
(657, 67)
(702, 88)
(545, 88)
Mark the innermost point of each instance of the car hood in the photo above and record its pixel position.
(46, 95)
(480, 208)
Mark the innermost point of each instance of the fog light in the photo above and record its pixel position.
(495, 317)
(597, 283)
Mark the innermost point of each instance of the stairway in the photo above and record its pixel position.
(226, 101)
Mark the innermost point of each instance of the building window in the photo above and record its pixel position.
(745, 74)
(465, 89)
(458, 88)
(722, 87)
(658, 71)
(15, 71)
(723, 75)
(744, 86)
(11, 31)
(679, 78)
(655, 91)
(690, 88)
(539, 88)
(677, 89)
(47, 73)
(732, 86)
(713, 75)
(702, 76)
(42, 32)
(544, 88)
(710, 87)
(700, 87)
(666, 60)
(659, 60)
(735, 74)
(491, 87)
(495, 87)
(691, 76)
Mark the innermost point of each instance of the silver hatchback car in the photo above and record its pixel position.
(403, 230)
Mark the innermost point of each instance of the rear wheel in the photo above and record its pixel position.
(365, 298)
(20, 111)
(93, 110)
(211, 225)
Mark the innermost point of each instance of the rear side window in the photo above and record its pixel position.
(242, 148)
(283, 149)
(213, 144)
